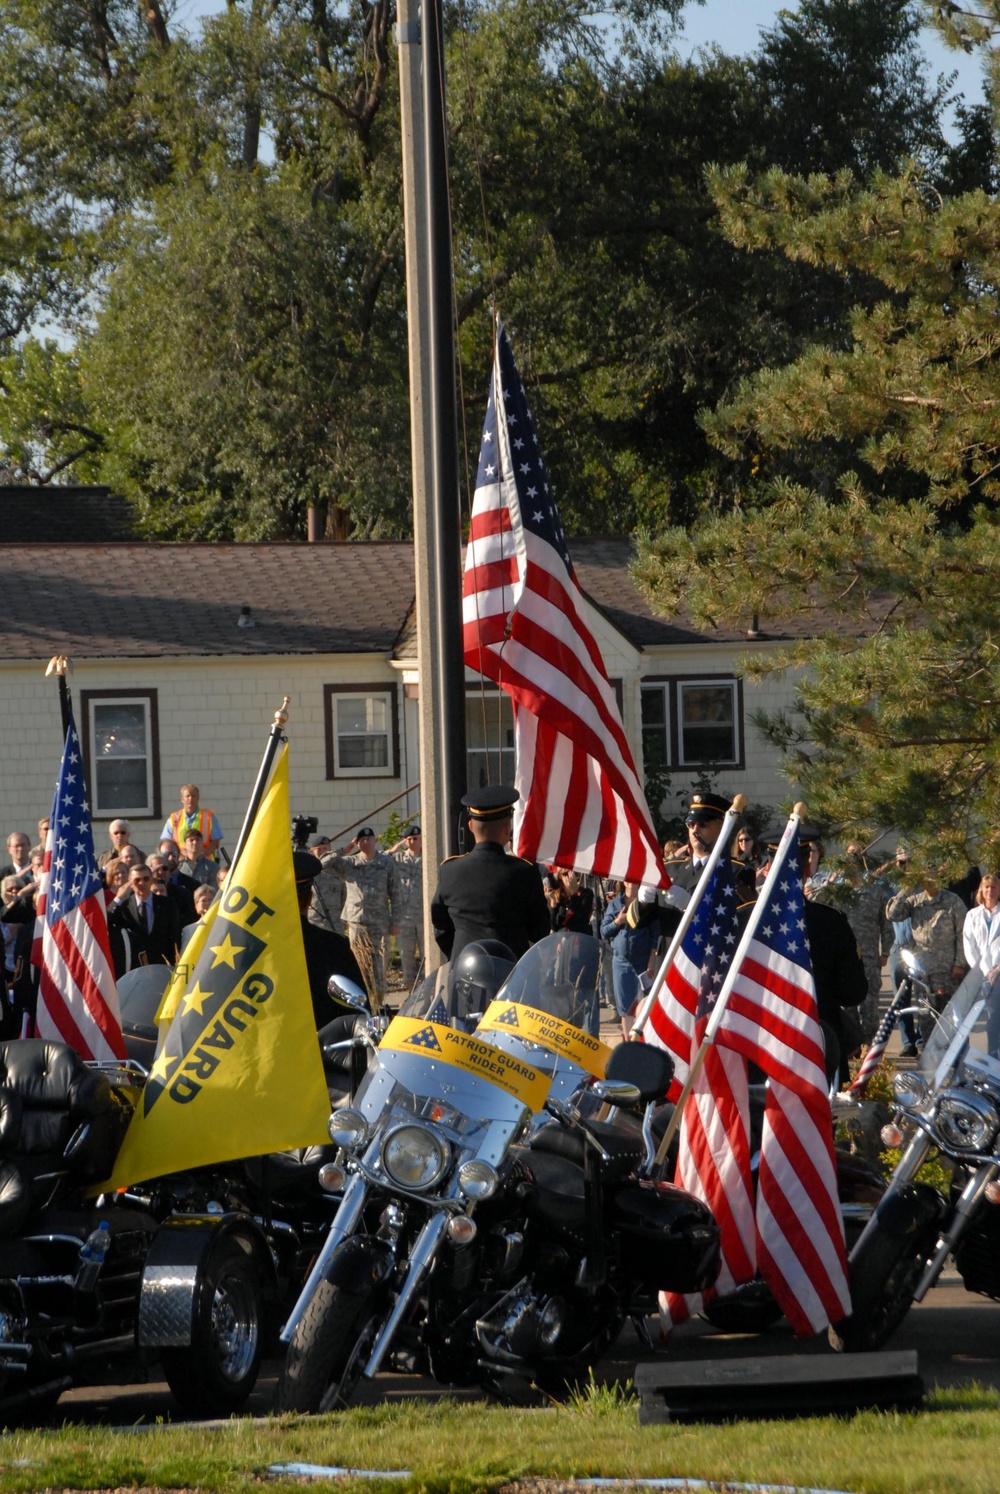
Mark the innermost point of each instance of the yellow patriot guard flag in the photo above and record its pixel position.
(238, 1070)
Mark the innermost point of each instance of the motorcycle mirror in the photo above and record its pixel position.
(616, 1091)
(346, 992)
(911, 962)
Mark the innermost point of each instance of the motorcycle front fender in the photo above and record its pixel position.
(910, 1207)
(360, 1263)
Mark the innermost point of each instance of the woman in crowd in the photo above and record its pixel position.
(571, 904)
(981, 938)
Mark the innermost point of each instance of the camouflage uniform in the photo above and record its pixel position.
(408, 912)
(328, 901)
(371, 891)
(865, 908)
(938, 921)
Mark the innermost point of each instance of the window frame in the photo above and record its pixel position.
(473, 694)
(673, 686)
(149, 699)
(388, 692)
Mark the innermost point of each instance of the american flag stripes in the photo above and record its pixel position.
(879, 1043)
(77, 996)
(525, 627)
(771, 1019)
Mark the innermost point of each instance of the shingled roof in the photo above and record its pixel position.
(141, 600)
(183, 600)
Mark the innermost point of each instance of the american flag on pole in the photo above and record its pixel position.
(525, 627)
(878, 1044)
(77, 996)
(713, 1159)
(771, 1019)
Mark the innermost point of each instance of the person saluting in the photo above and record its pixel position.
(488, 894)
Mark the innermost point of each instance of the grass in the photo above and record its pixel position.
(464, 1449)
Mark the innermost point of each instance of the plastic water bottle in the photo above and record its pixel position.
(92, 1252)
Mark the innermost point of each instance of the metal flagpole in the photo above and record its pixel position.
(275, 736)
(59, 665)
(722, 1000)
(714, 856)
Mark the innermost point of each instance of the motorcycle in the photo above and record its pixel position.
(948, 1108)
(489, 1229)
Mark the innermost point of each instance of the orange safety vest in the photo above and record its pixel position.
(201, 821)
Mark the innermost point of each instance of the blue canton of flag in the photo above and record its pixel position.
(712, 937)
(74, 875)
(438, 1013)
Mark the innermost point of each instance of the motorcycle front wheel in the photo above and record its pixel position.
(884, 1274)
(329, 1350)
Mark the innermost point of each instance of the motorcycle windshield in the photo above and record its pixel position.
(479, 1100)
(547, 1012)
(443, 998)
(970, 1021)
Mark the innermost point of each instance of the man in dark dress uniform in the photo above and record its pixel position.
(704, 820)
(488, 894)
(327, 953)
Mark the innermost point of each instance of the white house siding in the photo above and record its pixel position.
(214, 719)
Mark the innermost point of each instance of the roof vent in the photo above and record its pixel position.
(245, 620)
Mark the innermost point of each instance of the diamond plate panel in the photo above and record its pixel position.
(166, 1306)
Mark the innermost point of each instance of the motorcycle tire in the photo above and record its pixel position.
(884, 1275)
(749, 1310)
(329, 1350)
(214, 1375)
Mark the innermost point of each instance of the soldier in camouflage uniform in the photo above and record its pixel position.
(408, 904)
(370, 878)
(937, 918)
(863, 900)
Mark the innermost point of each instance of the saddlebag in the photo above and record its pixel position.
(669, 1240)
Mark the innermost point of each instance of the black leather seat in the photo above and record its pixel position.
(47, 1094)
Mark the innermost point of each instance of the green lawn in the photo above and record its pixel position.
(950, 1446)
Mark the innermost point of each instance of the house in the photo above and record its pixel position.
(181, 653)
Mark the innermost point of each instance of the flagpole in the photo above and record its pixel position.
(714, 856)
(274, 740)
(59, 665)
(732, 975)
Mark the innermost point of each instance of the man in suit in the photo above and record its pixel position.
(489, 894)
(151, 923)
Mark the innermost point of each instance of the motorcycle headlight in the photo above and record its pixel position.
(966, 1122)
(477, 1179)
(909, 1089)
(415, 1157)
(348, 1128)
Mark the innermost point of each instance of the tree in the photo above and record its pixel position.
(899, 715)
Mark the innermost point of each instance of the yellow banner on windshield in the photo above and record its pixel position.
(432, 1040)
(560, 1038)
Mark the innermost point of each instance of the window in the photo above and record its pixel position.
(362, 732)
(489, 738)
(121, 752)
(692, 722)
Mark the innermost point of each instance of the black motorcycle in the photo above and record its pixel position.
(91, 1288)
(490, 1230)
(947, 1108)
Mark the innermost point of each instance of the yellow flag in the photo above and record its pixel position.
(238, 1070)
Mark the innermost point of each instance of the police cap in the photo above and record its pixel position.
(494, 802)
(706, 807)
(307, 866)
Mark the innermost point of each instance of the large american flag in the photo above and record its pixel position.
(525, 626)
(771, 1019)
(77, 996)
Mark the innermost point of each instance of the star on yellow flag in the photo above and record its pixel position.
(238, 1071)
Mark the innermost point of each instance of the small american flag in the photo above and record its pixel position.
(771, 1020)
(879, 1043)
(525, 627)
(77, 995)
(713, 1160)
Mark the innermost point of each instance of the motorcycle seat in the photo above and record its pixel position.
(625, 1149)
(49, 1099)
(292, 1176)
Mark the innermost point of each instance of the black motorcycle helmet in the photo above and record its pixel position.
(478, 974)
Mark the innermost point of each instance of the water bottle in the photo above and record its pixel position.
(92, 1252)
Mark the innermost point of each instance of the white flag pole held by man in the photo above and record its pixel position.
(691, 907)
(733, 973)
